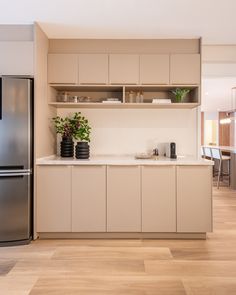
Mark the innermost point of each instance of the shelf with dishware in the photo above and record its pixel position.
(122, 96)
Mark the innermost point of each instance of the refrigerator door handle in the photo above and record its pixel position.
(14, 174)
(9, 171)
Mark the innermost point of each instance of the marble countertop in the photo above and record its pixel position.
(123, 160)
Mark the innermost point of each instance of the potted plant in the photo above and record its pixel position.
(82, 133)
(180, 94)
(75, 127)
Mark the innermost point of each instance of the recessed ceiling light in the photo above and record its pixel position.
(206, 93)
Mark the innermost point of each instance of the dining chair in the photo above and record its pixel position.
(208, 153)
(217, 155)
(203, 152)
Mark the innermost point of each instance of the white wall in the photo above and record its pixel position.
(211, 128)
(125, 131)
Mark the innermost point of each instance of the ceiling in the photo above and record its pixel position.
(214, 20)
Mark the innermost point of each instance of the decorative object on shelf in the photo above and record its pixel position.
(62, 96)
(143, 156)
(137, 97)
(131, 97)
(111, 100)
(67, 147)
(82, 133)
(82, 150)
(141, 97)
(75, 127)
(180, 94)
(161, 100)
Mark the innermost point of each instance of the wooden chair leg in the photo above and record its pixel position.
(219, 173)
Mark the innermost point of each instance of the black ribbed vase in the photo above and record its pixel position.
(82, 150)
(67, 147)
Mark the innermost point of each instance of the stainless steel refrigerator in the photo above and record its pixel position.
(16, 159)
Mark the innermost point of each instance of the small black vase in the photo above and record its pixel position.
(67, 147)
(82, 150)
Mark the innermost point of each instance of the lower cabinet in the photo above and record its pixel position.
(194, 199)
(123, 199)
(53, 198)
(101, 198)
(158, 199)
(89, 198)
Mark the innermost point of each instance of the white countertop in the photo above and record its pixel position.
(122, 160)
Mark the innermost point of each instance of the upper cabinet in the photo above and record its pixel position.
(63, 68)
(185, 69)
(17, 58)
(93, 68)
(154, 69)
(124, 69)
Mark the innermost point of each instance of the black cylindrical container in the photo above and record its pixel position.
(82, 150)
(67, 147)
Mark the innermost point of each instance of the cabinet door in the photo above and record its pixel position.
(154, 69)
(93, 68)
(89, 199)
(63, 68)
(185, 69)
(53, 198)
(123, 199)
(124, 69)
(17, 58)
(158, 199)
(194, 199)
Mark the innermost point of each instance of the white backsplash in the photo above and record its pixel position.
(130, 131)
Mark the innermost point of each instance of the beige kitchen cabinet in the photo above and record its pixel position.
(17, 58)
(158, 199)
(93, 68)
(154, 69)
(194, 199)
(124, 69)
(53, 198)
(185, 69)
(89, 198)
(63, 68)
(123, 199)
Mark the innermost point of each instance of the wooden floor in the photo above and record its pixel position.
(140, 267)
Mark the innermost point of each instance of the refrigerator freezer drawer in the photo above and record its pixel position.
(15, 207)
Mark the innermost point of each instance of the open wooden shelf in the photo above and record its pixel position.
(98, 105)
(99, 92)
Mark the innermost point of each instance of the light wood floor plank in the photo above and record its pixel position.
(145, 285)
(111, 253)
(128, 267)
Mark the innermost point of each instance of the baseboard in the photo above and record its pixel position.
(69, 235)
